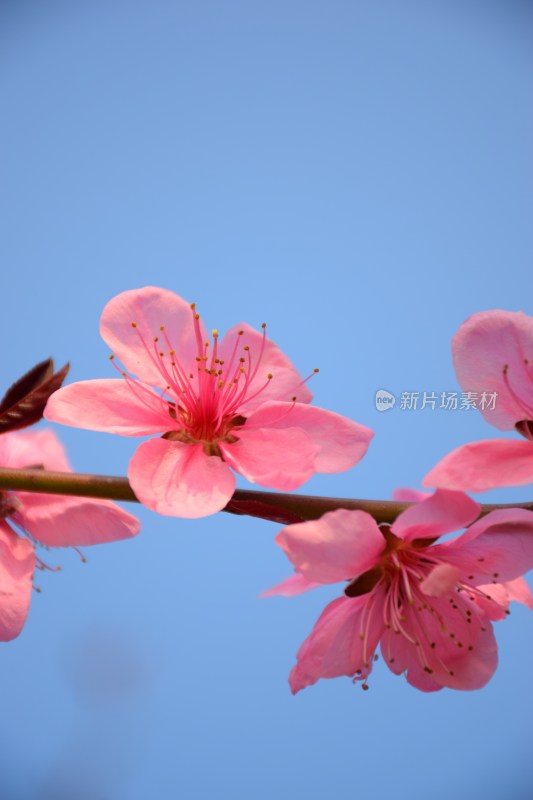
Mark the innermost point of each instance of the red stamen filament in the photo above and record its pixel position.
(516, 397)
(203, 410)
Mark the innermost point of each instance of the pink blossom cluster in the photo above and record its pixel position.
(30, 522)
(236, 404)
(428, 604)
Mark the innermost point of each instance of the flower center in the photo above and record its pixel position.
(397, 556)
(204, 399)
(440, 626)
(193, 434)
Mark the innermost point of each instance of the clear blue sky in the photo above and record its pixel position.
(359, 176)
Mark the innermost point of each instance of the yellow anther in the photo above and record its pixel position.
(161, 327)
(316, 370)
(220, 384)
(193, 306)
(214, 333)
(133, 324)
(111, 357)
(270, 376)
(197, 316)
(246, 347)
(172, 352)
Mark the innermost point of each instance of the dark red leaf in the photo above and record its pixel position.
(23, 403)
(24, 385)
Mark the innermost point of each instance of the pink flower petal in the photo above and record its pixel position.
(280, 459)
(295, 584)
(109, 405)
(17, 564)
(179, 479)
(473, 670)
(342, 443)
(407, 495)
(441, 513)
(479, 466)
(495, 549)
(441, 580)
(455, 649)
(402, 657)
(493, 352)
(498, 596)
(58, 521)
(299, 679)
(286, 381)
(36, 448)
(339, 546)
(342, 642)
(519, 591)
(149, 308)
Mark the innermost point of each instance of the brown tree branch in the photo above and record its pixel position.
(275, 506)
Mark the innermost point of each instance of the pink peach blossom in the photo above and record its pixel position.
(516, 590)
(235, 403)
(29, 519)
(429, 605)
(493, 353)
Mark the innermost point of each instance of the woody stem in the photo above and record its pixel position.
(267, 505)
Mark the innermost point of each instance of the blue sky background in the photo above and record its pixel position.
(359, 176)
